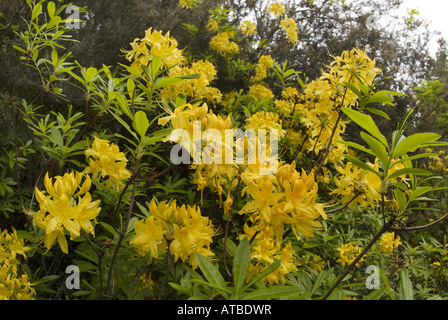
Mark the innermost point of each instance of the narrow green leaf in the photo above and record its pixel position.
(378, 113)
(264, 273)
(375, 294)
(165, 82)
(273, 292)
(413, 142)
(210, 271)
(360, 164)
(366, 122)
(356, 146)
(241, 263)
(401, 199)
(377, 148)
(418, 192)
(156, 64)
(409, 171)
(406, 291)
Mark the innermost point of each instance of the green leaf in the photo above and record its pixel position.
(377, 148)
(141, 123)
(413, 142)
(90, 73)
(375, 294)
(356, 146)
(210, 271)
(156, 64)
(418, 192)
(241, 263)
(378, 113)
(272, 292)
(409, 171)
(272, 267)
(51, 9)
(360, 164)
(366, 122)
(401, 199)
(36, 11)
(406, 291)
(165, 82)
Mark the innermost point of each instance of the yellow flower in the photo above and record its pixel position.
(261, 92)
(389, 243)
(181, 229)
(348, 253)
(212, 25)
(68, 206)
(106, 160)
(154, 44)
(267, 250)
(149, 236)
(189, 4)
(221, 43)
(277, 9)
(248, 27)
(289, 26)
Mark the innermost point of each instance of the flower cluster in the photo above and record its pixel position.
(106, 160)
(248, 27)
(221, 43)
(277, 9)
(290, 27)
(265, 252)
(189, 4)
(389, 243)
(14, 285)
(265, 62)
(182, 230)
(348, 253)
(67, 205)
(199, 88)
(285, 198)
(154, 44)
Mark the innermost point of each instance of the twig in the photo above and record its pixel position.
(422, 227)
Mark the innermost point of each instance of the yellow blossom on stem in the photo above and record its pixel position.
(106, 160)
(65, 204)
(389, 242)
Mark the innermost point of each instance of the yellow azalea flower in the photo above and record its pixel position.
(289, 26)
(248, 27)
(389, 242)
(267, 250)
(221, 43)
(154, 44)
(189, 4)
(150, 236)
(258, 91)
(106, 160)
(212, 25)
(264, 197)
(65, 204)
(181, 229)
(348, 253)
(277, 9)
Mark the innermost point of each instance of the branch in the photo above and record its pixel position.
(422, 227)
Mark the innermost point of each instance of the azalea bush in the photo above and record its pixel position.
(169, 185)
